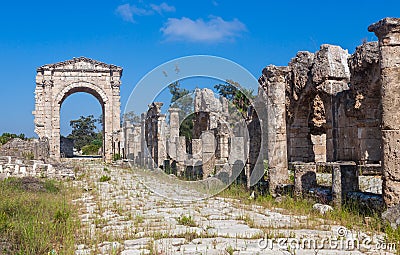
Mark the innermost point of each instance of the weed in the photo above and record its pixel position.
(186, 221)
(139, 219)
(230, 250)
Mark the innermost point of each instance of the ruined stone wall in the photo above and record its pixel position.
(21, 167)
(211, 127)
(27, 149)
(333, 105)
(154, 143)
(364, 104)
(342, 107)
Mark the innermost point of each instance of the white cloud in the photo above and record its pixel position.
(214, 30)
(127, 11)
(163, 7)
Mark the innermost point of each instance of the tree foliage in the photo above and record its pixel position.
(181, 99)
(83, 131)
(239, 96)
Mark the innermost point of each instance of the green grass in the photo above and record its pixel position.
(105, 178)
(349, 216)
(35, 218)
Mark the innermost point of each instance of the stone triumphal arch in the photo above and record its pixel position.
(55, 82)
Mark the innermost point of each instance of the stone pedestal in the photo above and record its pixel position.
(344, 180)
(388, 33)
(305, 177)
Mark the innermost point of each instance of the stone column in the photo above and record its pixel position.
(143, 147)
(196, 149)
(222, 152)
(180, 154)
(277, 140)
(388, 33)
(174, 122)
(161, 141)
(173, 131)
(208, 155)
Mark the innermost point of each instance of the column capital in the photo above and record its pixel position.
(385, 26)
(276, 73)
(172, 109)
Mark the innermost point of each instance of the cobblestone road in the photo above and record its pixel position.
(125, 216)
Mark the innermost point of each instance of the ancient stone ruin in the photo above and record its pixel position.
(155, 143)
(326, 112)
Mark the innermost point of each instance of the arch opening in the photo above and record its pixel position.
(81, 106)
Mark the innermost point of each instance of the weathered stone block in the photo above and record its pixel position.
(197, 148)
(344, 180)
(390, 99)
(330, 62)
(208, 142)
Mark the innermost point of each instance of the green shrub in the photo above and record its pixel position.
(90, 149)
(5, 137)
(28, 155)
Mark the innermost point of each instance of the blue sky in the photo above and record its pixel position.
(140, 35)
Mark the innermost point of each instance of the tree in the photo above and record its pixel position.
(240, 97)
(83, 131)
(181, 99)
(132, 117)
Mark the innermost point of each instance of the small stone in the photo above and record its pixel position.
(131, 252)
(322, 209)
(392, 215)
